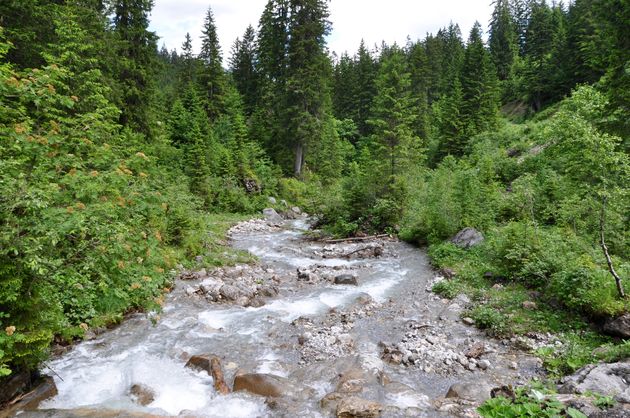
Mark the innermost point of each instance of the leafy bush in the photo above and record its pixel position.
(446, 288)
(489, 318)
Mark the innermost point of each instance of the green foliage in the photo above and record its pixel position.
(489, 318)
(446, 288)
(528, 402)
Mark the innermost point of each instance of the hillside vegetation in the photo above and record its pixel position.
(119, 160)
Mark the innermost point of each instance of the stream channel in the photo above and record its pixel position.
(385, 346)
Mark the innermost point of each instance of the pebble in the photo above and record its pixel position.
(468, 321)
(483, 364)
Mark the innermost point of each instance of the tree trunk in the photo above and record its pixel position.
(299, 159)
(602, 242)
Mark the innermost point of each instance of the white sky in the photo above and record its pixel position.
(372, 20)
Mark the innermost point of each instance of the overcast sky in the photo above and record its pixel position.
(372, 20)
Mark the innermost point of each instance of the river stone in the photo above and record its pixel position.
(11, 386)
(618, 327)
(476, 392)
(261, 384)
(605, 379)
(230, 292)
(44, 389)
(272, 200)
(200, 362)
(355, 407)
(346, 279)
(296, 210)
(272, 216)
(467, 237)
(142, 394)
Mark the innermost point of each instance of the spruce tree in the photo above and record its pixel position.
(366, 87)
(502, 39)
(212, 77)
(393, 115)
(188, 70)
(308, 76)
(137, 57)
(480, 99)
(243, 67)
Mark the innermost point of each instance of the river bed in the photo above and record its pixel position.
(401, 345)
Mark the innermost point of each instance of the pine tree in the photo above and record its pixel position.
(137, 56)
(212, 77)
(480, 99)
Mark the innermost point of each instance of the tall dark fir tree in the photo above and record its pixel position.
(212, 77)
(137, 55)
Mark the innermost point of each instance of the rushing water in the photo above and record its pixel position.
(97, 374)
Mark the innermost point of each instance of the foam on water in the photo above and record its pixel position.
(105, 383)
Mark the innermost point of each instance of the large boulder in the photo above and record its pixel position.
(272, 216)
(201, 363)
(606, 379)
(261, 384)
(476, 392)
(467, 237)
(355, 407)
(618, 327)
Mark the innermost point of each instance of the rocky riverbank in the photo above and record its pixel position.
(346, 329)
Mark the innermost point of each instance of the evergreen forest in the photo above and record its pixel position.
(121, 159)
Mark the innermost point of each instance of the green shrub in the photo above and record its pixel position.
(489, 318)
(448, 289)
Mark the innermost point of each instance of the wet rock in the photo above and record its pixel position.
(467, 237)
(306, 275)
(261, 384)
(13, 385)
(606, 379)
(268, 291)
(272, 216)
(230, 292)
(618, 327)
(476, 350)
(43, 389)
(478, 391)
(200, 362)
(331, 400)
(355, 407)
(346, 279)
(256, 302)
(352, 381)
(141, 394)
(484, 364)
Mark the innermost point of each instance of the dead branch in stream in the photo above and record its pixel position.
(217, 375)
(355, 239)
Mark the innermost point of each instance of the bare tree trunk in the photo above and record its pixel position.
(299, 158)
(217, 375)
(611, 268)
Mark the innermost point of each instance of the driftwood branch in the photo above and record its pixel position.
(217, 375)
(602, 242)
(355, 239)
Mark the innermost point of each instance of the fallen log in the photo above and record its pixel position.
(217, 375)
(355, 239)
